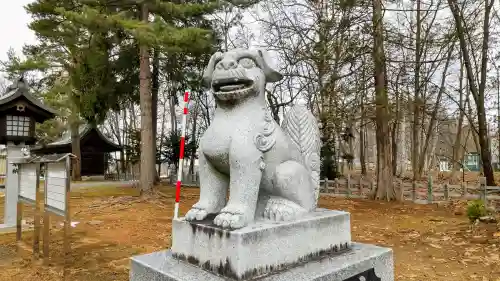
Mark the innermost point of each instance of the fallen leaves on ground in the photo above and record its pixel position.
(429, 242)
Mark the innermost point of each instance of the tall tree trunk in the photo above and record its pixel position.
(363, 134)
(457, 146)
(173, 117)
(395, 131)
(162, 134)
(473, 126)
(154, 105)
(75, 150)
(401, 166)
(385, 187)
(362, 129)
(416, 102)
(147, 173)
(394, 140)
(124, 142)
(431, 159)
(498, 120)
(432, 122)
(477, 92)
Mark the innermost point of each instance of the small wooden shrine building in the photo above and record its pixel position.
(94, 149)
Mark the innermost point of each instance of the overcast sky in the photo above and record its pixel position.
(14, 31)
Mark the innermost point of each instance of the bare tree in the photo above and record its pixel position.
(384, 188)
(477, 91)
(318, 45)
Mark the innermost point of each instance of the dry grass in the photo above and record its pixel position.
(105, 191)
(429, 243)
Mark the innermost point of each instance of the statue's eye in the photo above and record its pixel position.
(247, 63)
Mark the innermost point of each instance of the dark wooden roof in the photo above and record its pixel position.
(19, 91)
(89, 137)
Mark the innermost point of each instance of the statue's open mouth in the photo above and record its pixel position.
(231, 85)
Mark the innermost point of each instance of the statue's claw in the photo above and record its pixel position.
(231, 218)
(279, 209)
(196, 214)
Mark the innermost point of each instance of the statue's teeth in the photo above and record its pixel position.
(231, 87)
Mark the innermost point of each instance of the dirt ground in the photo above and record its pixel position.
(429, 242)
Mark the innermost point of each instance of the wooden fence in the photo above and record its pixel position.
(420, 192)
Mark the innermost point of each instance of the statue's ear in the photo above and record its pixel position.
(209, 70)
(271, 74)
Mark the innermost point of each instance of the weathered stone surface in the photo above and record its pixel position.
(270, 171)
(262, 247)
(362, 258)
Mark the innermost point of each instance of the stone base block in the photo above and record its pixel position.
(361, 262)
(263, 247)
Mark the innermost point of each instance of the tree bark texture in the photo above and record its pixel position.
(416, 102)
(76, 170)
(147, 173)
(385, 188)
(154, 105)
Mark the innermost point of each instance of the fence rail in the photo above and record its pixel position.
(419, 192)
(425, 192)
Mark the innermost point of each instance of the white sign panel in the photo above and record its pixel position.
(56, 185)
(27, 183)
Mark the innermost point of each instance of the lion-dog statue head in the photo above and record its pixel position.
(239, 73)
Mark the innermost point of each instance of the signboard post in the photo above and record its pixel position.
(56, 169)
(57, 194)
(28, 194)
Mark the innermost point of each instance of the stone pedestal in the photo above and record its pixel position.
(315, 247)
(362, 262)
(14, 152)
(264, 246)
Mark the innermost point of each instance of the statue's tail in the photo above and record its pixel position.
(302, 127)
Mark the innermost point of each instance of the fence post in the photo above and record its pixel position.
(429, 189)
(336, 185)
(464, 188)
(402, 189)
(361, 187)
(483, 190)
(348, 183)
(446, 192)
(326, 185)
(413, 191)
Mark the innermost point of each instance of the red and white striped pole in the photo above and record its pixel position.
(181, 155)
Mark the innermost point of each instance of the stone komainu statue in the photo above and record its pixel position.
(270, 171)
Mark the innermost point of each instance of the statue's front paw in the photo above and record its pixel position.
(196, 214)
(231, 218)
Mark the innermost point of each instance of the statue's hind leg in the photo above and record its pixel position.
(292, 193)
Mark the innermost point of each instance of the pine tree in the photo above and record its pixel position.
(177, 28)
(102, 48)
